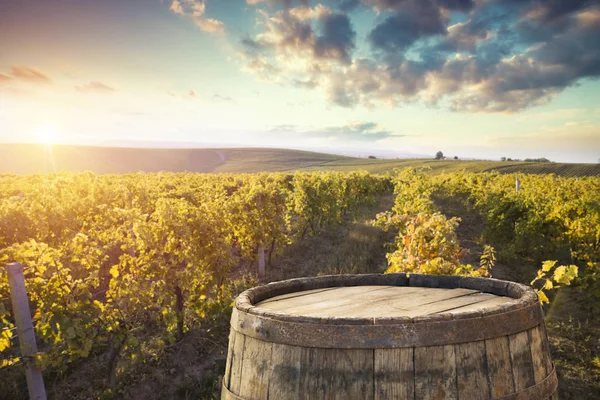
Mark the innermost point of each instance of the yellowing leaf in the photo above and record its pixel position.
(114, 271)
(564, 275)
(548, 265)
(5, 339)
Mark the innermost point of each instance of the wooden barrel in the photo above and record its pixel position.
(389, 337)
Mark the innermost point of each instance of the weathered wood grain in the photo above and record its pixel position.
(372, 301)
(294, 294)
(327, 298)
(537, 355)
(336, 374)
(256, 369)
(237, 359)
(227, 377)
(286, 372)
(522, 363)
(499, 367)
(545, 347)
(471, 371)
(394, 374)
(447, 304)
(435, 373)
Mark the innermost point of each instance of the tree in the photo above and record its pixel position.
(372, 157)
(502, 158)
(439, 155)
(456, 157)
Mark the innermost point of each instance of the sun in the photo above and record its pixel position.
(46, 134)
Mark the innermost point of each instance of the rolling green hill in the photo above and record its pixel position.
(30, 158)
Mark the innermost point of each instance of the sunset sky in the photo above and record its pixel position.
(473, 78)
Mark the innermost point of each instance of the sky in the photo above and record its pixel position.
(472, 78)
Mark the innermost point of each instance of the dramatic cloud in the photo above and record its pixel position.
(285, 3)
(414, 21)
(454, 5)
(196, 10)
(303, 35)
(29, 74)
(95, 87)
(465, 55)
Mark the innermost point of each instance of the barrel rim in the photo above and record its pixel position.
(525, 296)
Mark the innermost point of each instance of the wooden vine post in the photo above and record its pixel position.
(25, 332)
(261, 261)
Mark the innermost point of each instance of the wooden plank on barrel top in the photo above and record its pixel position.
(522, 363)
(329, 298)
(499, 367)
(446, 305)
(294, 294)
(435, 373)
(471, 371)
(394, 374)
(256, 369)
(286, 372)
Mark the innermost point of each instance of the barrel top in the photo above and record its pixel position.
(382, 301)
(385, 311)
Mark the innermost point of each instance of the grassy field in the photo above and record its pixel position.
(28, 159)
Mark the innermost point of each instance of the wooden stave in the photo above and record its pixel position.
(537, 391)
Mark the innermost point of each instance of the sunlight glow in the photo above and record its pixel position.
(46, 134)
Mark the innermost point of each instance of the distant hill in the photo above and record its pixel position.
(33, 158)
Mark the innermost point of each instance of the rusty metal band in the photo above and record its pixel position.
(387, 334)
(540, 391)
(228, 395)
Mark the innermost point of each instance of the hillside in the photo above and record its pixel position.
(30, 158)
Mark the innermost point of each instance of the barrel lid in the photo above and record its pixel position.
(390, 310)
(382, 301)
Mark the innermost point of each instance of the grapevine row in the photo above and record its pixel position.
(111, 257)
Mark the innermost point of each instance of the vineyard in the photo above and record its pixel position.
(120, 267)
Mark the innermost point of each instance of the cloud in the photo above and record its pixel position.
(95, 87)
(223, 98)
(4, 78)
(196, 10)
(285, 3)
(414, 21)
(177, 8)
(29, 74)
(453, 5)
(300, 38)
(502, 56)
(354, 131)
